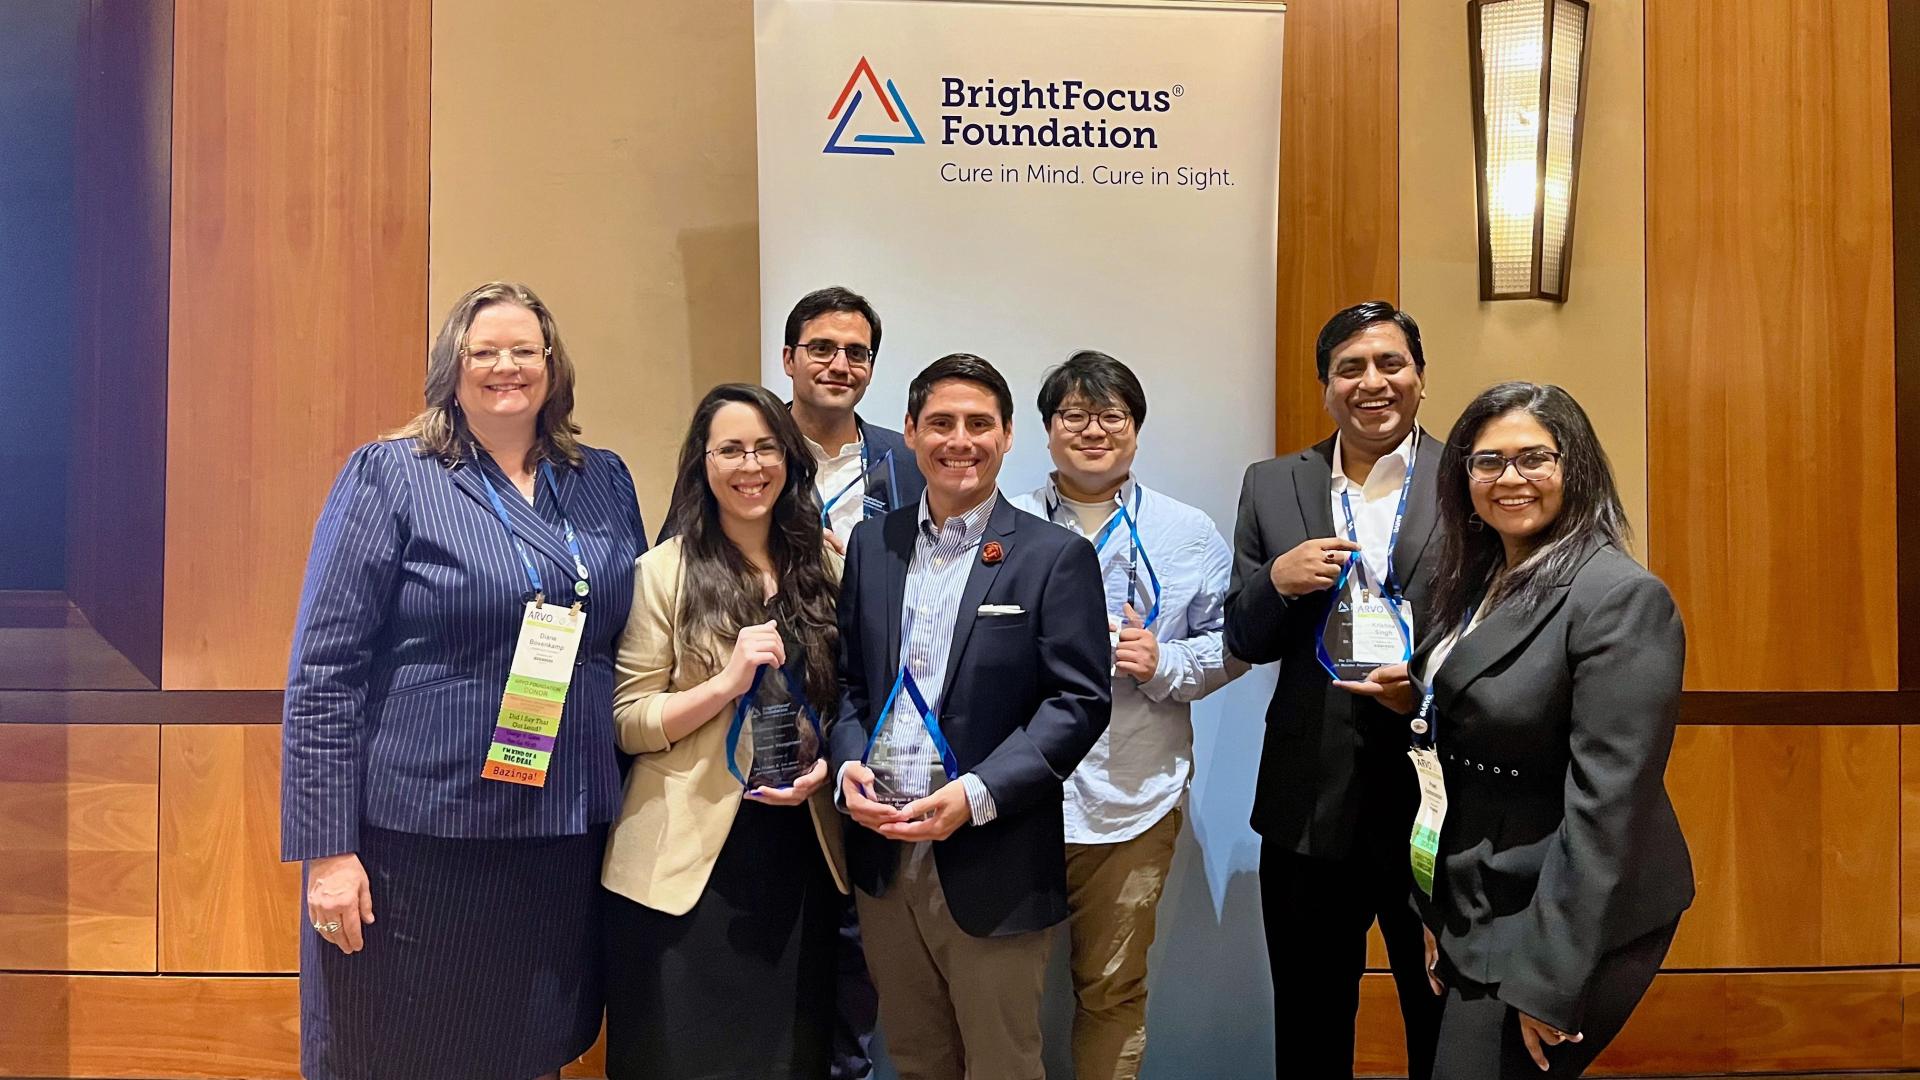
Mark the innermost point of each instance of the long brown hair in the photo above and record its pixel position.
(720, 591)
(442, 427)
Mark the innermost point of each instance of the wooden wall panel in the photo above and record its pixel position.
(1714, 1023)
(158, 1027)
(1770, 340)
(227, 902)
(1795, 839)
(1339, 189)
(299, 283)
(1910, 847)
(78, 825)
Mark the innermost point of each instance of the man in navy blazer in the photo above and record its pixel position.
(1000, 618)
(831, 344)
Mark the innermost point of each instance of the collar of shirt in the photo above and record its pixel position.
(968, 527)
(1381, 481)
(853, 449)
(1053, 499)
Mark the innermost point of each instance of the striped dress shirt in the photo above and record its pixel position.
(942, 562)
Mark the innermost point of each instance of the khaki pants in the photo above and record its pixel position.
(953, 1006)
(1113, 894)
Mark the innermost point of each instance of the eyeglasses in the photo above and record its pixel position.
(525, 356)
(735, 457)
(1112, 421)
(1486, 466)
(822, 351)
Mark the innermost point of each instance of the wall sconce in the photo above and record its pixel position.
(1529, 81)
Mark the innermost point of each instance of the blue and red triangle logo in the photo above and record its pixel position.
(849, 102)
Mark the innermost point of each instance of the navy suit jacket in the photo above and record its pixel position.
(408, 621)
(1026, 696)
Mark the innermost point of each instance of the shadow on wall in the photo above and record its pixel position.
(723, 336)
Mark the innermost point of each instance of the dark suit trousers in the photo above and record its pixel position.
(1317, 913)
(1480, 1034)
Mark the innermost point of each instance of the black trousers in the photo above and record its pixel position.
(1480, 1034)
(1317, 913)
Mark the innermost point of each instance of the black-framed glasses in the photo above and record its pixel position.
(1112, 421)
(524, 356)
(822, 351)
(735, 457)
(1487, 466)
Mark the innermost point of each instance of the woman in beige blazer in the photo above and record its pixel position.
(721, 912)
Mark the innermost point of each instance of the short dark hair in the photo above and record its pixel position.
(1099, 378)
(822, 301)
(967, 368)
(1350, 321)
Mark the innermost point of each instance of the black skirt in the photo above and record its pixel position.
(741, 986)
(482, 962)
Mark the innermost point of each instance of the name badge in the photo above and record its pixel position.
(1377, 633)
(536, 694)
(1423, 846)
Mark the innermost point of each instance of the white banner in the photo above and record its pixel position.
(1022, 179)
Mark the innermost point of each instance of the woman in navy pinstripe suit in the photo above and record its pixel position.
(451, 928)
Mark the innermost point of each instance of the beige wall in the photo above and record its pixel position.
(604, 154)
(1595, 343)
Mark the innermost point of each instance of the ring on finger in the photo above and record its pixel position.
(328, 927)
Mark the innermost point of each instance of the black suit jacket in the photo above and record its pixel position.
(1326, 751)
(1560, 843)
(1025, 698)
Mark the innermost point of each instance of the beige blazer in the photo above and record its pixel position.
(680, 798)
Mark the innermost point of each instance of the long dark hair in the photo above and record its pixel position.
(1590, 512)
(720, 591)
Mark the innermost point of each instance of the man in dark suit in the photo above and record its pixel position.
(1336, 792)
(832, 342)
(975, 663)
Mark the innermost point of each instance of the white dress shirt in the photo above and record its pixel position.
(1374, 503)
(1138, 770)
(836, 471)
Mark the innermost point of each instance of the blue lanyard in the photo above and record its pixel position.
(1136, 553)
(872, 505)
(905, 679)
(1390, 588)
(1426, 723)
(526, 561)
(746, 703)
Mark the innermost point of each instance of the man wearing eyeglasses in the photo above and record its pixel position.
(832, 341)
(1332, 571)
(1166, 569)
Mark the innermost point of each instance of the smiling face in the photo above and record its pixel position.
(498, 389)
(837, 383)
(1514, 506)
(1092, 459)
(959, 439)
(746, 493)
(1374, 389)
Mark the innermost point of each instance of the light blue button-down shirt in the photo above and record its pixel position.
(1139, 769)
(942, 562)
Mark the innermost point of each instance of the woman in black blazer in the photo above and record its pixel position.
(1545, 690)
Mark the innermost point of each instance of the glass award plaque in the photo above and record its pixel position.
(785, 743)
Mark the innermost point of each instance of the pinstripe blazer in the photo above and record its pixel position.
(407, 625)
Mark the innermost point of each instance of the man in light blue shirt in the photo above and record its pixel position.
(1166, 569)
